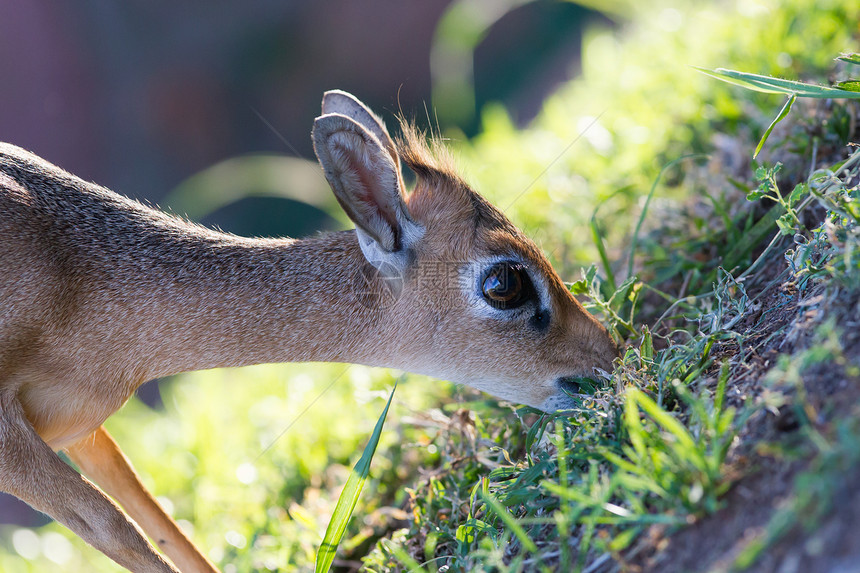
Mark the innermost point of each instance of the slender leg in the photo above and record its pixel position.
(100, 458)
(31, 471)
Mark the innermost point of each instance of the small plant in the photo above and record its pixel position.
(789, 222)
(616, 304)
(832, 250)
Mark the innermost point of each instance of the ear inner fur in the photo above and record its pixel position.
(374, 183)
(363, 177)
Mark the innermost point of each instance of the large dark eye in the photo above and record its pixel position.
(507, 285)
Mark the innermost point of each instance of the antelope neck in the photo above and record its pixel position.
(228, 301)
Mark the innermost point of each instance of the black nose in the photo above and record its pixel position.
(577, 385)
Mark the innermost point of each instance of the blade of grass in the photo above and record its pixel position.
(720, 75)
(753, 237)
(598, 239)
(403, 556)
(783, 113)
(768, 84)
(571, 494)
(849, 85)
(634, 424)
(601, 249)
(349, 497)
(510, 522)
(642, 215)
(686, 443)
(850, 58)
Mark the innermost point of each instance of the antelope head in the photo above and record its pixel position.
(458, 291)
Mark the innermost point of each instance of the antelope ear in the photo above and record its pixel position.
(344, 103)
(367, 184)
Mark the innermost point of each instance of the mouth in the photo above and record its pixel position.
(571, 389)
(573, 385)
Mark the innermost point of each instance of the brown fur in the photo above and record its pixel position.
(99, 293)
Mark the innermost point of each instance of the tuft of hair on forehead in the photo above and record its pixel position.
(428, 158)
(434, 165)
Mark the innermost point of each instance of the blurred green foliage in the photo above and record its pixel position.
(251, 461)
(653, 107)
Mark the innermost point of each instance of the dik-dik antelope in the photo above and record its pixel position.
(99, 293)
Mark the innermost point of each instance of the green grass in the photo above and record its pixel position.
(349, 497)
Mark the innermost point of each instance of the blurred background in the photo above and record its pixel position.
(140, 96)
(554, 109)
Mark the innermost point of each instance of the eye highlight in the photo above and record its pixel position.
(507, 285)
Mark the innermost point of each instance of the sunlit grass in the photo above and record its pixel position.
(349, 497)
(254, 495)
